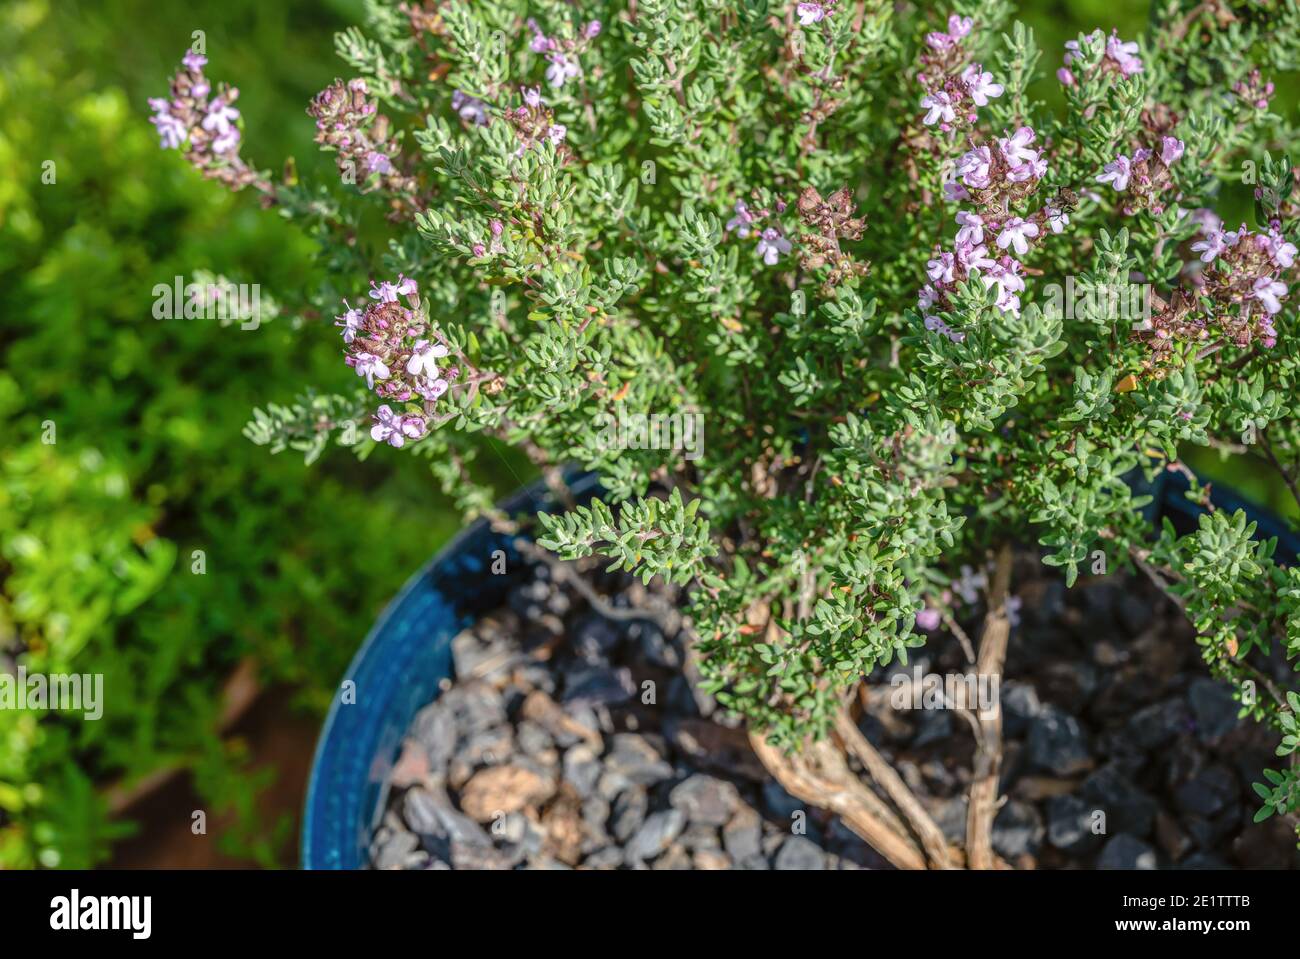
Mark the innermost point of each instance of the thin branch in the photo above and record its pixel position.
(988, 755)
(820, 775)
(1277, 465)
(931, 836)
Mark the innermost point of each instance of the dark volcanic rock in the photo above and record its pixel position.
(1057, 744)
(1127, 808)
(705, 799)
(1017, 830)
(798, 852)
(1070, 825)
(1213, 709)
(1127, 852)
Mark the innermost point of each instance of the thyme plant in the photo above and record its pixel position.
(918, 311)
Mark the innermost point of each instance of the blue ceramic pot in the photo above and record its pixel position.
(399, 667)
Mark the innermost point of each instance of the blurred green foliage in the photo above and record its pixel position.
(98, 528)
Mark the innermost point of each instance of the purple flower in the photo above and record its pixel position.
(220, 116)
(468, 108)
(592, 30)
(940, 269)
(1213, 244)
(1123, 54)
(742, 220)
(431, 387)
(540, 42)
(771, 245)
(1005, 275)
(972, 228)
(423, 358)
(973, 167)
(1268, 331)
(940, 106)
(1117, 173)
(350, 321)
(939, 326)
(959, 27)
(1016, 150)
(371, 367)
(1267, 291)
(393, 429)
(561, 70)
(194, 61)
(385, 292)
(980, 85)
(377, 162)
(1064, 75)
(533, 97)
(974, 257)
(1282, 252)
(1057, 220)
(1016, 234)
(171, 130)
(1074, 50)
(813, 11)
(1208, 219)
(1171, 148)
(556, 133)
(969, 585)
(226, 142)
(928, 619)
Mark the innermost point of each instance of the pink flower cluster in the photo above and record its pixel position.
(395, 349)
(1244, 268)
(562, 55)
(990, 238)
(1254, 90)
(204, 125)
(772, 244)
(1120, 57)
(994, 176)
(947, 270)
(1143, 177)
(534, 123)
(953, 87)
(348, 121)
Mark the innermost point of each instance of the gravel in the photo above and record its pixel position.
(547, 752)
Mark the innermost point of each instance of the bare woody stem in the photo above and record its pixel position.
(931, 836)
(988, 754)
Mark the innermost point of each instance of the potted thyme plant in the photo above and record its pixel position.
(833, 304)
